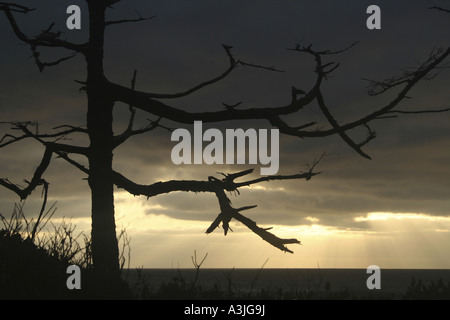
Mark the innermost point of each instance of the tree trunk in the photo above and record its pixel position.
(99, 124)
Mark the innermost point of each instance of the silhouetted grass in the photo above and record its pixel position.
(179, 288)
(310, 285)
(33, 266)
(435, 290)
(33, 263)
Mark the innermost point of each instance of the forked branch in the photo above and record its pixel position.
(35, 181)
(45, 39)
(228, 212)
(299, 98)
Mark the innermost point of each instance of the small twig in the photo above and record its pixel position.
(138, 19)
(257, 275)
(420, 111)
(257, 66)
(231, 106)
(42, 65)
(439, 9)
(44, 203)
(15, 7)
(197, 266)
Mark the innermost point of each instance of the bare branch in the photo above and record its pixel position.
(309, 49)
(8, 139)
(408, 75)
(118, 140)
(146, 102)
(231, 106)
(62, 150)
(138, 19)
(161, 187)
(436, 58)
(307, 176)
(265, 234)
(53, 145)
(231, 67)
(233, 64)
(211, 185)
(423, 70)
(49, 41)
(76, 164)
(320, 67)
(228, 212)
(36, 180)
(420, 111)
(338, 129)
(304, 126)
(41, 65)
(70, 129)
(370, 136)
(129, 131)
(257, 66)
(41, 213)
(14, 7)
(440, 9)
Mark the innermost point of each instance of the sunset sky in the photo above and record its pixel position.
(392, 211)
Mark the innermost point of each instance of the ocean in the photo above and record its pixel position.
(311, 283)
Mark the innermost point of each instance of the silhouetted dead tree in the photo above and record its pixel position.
(102, 95)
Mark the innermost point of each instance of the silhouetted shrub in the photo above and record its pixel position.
(418, 290)
(34, 266)
(29, 272)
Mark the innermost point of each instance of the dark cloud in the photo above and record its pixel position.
(182, 47)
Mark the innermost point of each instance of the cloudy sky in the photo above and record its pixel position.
(392, 211)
